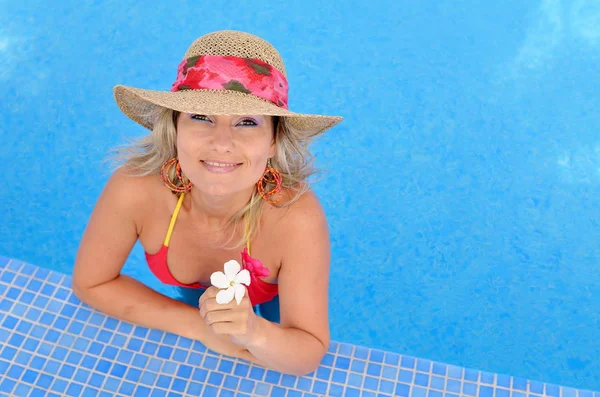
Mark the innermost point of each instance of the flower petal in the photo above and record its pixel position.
(243, 277)
(219, 280)
(232, 268)
(240, 290)
(225, 296)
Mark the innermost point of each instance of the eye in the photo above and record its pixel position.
(199, 117)
(248, 122)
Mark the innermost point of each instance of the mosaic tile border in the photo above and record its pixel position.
(51, 344)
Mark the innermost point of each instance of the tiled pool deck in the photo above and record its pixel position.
(53, 345)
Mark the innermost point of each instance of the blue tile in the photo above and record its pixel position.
(16, 340)
(55, 278)
(257, 373)
(47, 319)
(158, 393)
(402, 390)
(538, 388)
(405, 376)
(226, 366)
(44, 349)
(155, 364)
(150, 348)
(195, 359)
(103, 366)
(52, 367)
(66, 371)
(199, 375)
(434, 393)
(194, 389)
(180, 355)
(323, 373)
(272, 377)
(437, 383)
(54, 307)
(133, 375)
(439, 369)
(355, 380)
(328, 360)
(165, 352)
(421, 379)
(169, 339)
(215, 378)
(127, 388)
(40, 301)
(7, 277)
(10, 322)
(423, 365)
(231, 382)
(568, 392)
(59, 385)
(110, 353)
(502, 393)
(352, 392)
(277, 392)
(60, 323)
(210, 391)
(361, 352)
(385, 386)
(520, 384)
(13, 293)
(419, 392)
(148, 378)
(104, 336)
(407, 362)
(124, 356)
(503, 380)
(7, 385)
(288, 380)
(342, 363)
(74, 358)
(44, 381)
(143, 391)
(169, 368)
(34, 285)
(377, 356)
(8, 353)
(61, 294)
(42, 273)
(111, 323)
(486, 391)
(319, 387)
(38, 331)
(304, 384)
(154, 335)
(455, 372)
(59, 353)
(339, 376)
(453, 386)
(139, 360)
(470, 389)
(552, 390)
(112, 384)
(374, 369)
(30, 376)
(241, 370)
(68, 311)
(371, 383)
(37, 362)
(66, 340)
(471, 375)
(246, 386)
(389, 372)
(345, 349)
(89, 392)
(487, 378)
(90, 331)
(82, 376)
(358, 366)
(118, 370)
(118, 340)
(22, 390)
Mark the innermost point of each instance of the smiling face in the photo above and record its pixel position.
(223, 155)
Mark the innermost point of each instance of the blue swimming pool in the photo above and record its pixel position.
(461, 189)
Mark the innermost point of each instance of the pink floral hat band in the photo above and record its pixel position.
(250, 76)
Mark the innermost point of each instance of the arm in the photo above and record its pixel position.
(112, 231)
(298, 345)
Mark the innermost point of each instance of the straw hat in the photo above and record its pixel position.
(224, 72)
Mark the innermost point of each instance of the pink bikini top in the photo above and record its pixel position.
(259, 291)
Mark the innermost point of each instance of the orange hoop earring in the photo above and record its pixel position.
(270, 176)
(164, 177)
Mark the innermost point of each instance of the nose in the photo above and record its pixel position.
(223, 138)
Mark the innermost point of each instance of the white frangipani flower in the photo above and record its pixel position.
(231, 282)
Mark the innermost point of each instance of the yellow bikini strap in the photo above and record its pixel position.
(173, 219)
(247, 228)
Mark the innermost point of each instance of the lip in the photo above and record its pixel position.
(220, 170)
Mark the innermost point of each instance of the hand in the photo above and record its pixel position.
(239, 322)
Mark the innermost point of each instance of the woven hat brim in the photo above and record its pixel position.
(141, 106)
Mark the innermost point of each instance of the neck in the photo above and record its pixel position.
(216, 211)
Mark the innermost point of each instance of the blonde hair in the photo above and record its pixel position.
(293, 159)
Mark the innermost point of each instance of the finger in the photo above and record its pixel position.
(219, 316)
(211, 305)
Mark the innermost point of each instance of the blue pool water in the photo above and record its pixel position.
(461, 189)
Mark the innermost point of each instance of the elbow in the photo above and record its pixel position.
(313, 364)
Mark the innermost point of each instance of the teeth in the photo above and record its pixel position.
(219, 164)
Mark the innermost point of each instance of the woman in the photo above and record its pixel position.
(221, 177)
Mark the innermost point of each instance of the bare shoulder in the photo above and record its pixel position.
(306, 214)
